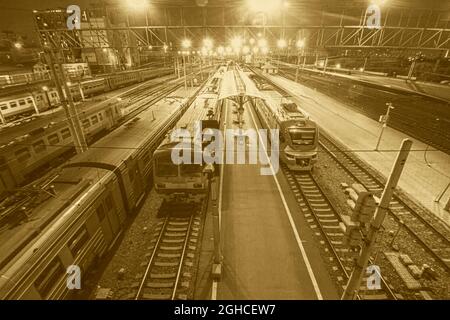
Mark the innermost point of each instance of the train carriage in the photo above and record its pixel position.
(188, 182)
(298, 133)
(95, 192)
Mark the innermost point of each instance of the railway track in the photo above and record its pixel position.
(431, 235)
(321, 214)
(168, 273)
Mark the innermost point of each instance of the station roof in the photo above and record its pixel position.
(237, 83)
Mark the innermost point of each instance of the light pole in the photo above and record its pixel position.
(300, 45)
(281, 44)
(384, 119)
(186, 44)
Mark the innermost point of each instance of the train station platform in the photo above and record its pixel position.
(427, 171)
(268, 249)
(428, 89)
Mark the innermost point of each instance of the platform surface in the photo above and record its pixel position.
(262, 256)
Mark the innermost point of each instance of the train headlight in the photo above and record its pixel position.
(290, 157)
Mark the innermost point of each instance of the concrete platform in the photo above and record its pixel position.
(421, 181)
(430, 89)
(268, 249)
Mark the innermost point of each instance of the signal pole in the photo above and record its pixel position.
(355, 279)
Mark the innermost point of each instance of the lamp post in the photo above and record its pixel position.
(300, 45)
(186, 44)
(281, 44)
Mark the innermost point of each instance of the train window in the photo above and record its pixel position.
(78, 241)
(100, 212)
(23, 154)
(189, 170)
(100, 117)
(302, 136)
(29, 100)
(54, 95)
(94, 120)
(3, 106)
(109, 202)
(22, 102)
(86, 123)
(53, 138)
(165, 167)
(39, 146)
(65, 133)
(13, 104)
(131, 173)
(49, 276)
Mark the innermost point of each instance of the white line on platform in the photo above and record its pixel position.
(291, 220)
(215, 284)
(214, 290)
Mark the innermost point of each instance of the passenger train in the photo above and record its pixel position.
(26, 104)
(189, 183)
(94, 194)
(299, 135)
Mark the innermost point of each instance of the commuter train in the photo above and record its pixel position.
(26, 154)
(188, 182)
(298, 135)
(93, 195)
(27, 103)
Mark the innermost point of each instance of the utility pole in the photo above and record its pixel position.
(71, 114)
(184, 69)
(411, 69)
(369, 242)
(325, 65)
(384, 120)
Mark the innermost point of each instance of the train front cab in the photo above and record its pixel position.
(299, 143)
(180, 183)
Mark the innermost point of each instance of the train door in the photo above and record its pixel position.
(136, 181)
(113, 215)
(104, 222)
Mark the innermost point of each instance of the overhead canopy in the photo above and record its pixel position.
(237, 83)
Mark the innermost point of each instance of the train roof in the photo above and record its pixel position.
(199, 110)
(285, 109)
(44, 205)
(120, 143)
(237, 83)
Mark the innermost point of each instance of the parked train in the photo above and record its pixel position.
(299, 135)
(188, 182)
(22, 157)
(27, 103)
(95, 192)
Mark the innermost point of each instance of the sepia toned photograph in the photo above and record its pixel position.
(239, 153)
